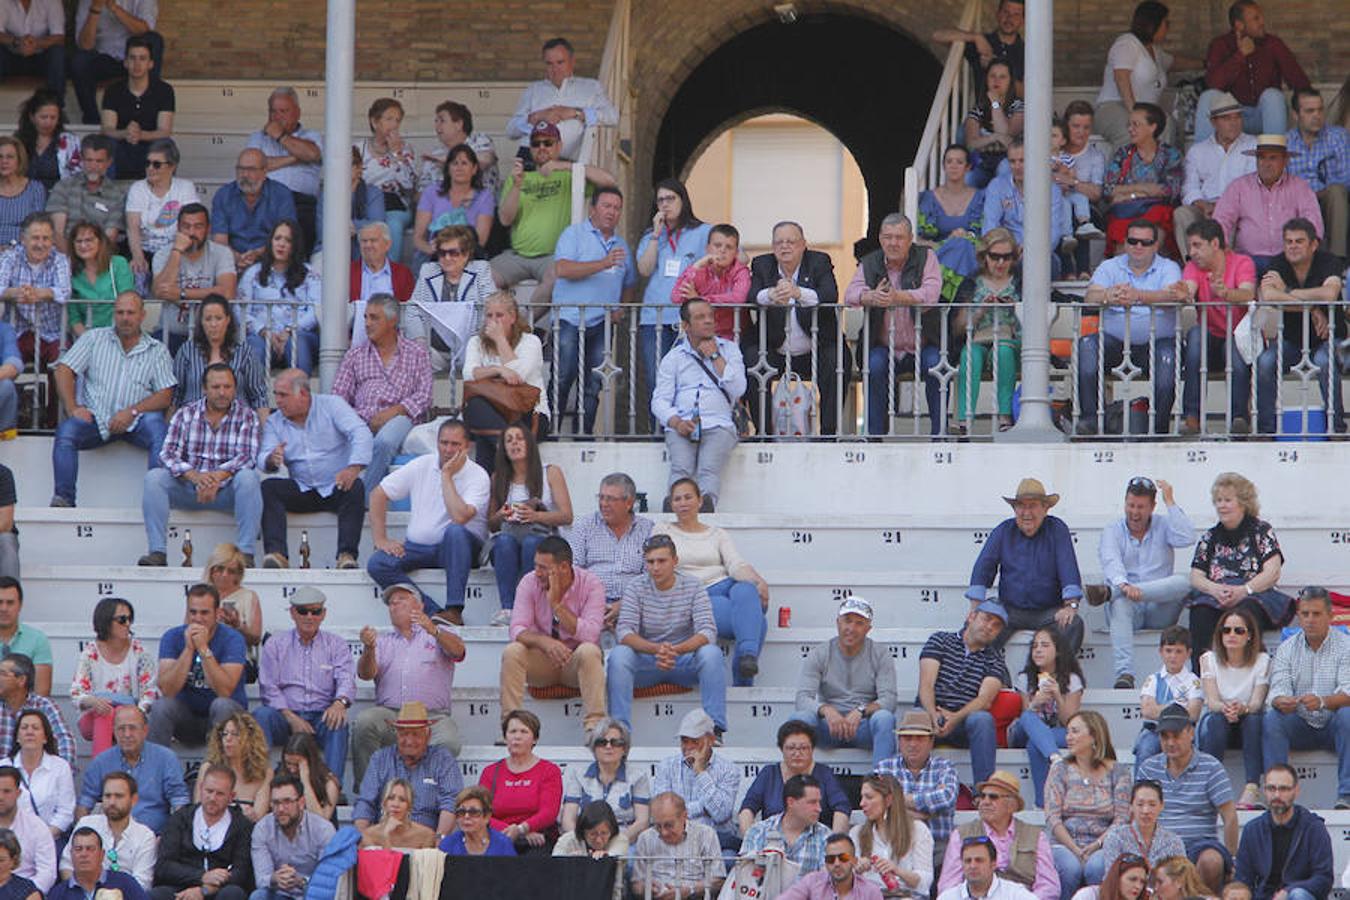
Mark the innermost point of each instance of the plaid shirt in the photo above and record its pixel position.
(65, 741)
(615, 561)
(808, 851)
(1325, 162)
(1299, 669)
(933, 791)
(194, 445)
(369, 386)
(53, 272)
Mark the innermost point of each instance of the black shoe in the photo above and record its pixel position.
(155, 558)
(1086, 427)
(248, 564)
(1125, 683)
(747, 667)
(717, 736)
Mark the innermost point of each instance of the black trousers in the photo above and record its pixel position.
(306, 208)
(486, 426)
(283, 495)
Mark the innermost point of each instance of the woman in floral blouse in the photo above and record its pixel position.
(53, 152)
(389, 163)
(1086, 793)
(1143, 179)
(114, 670)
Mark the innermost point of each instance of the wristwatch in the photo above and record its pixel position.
(862, 710)
(207, 654)
(714, 356)
(1072, 604)
(996, 105)
(345, 702)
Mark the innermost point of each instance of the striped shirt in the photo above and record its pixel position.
(933, 791)
(16, 270)
(709, 796)
(193, 444)
(1192, 799)
(697, 858)
(113, 378)
(961, 672)
(669, 616)
(369, 386)
(615, 561)
(1299, 669)
(189, 365)
(65, 741)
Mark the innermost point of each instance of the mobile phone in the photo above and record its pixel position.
(523, 154)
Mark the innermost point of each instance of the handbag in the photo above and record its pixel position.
(760, 877)
(512, 401)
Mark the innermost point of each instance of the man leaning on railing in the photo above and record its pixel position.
(676, 857)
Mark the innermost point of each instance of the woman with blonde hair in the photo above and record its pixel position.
(504, 350)
(239, 606)
(239, 744)
(396, 829)
(1175, 878)
(993, 325)
(895, 850)
(1086, 793)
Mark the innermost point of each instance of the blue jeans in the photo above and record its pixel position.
(241, 495)
(512, 557)
(9, 404)
(74, 435)
(1241, 390)
(333, 742)
(1282, 731)
(566, 363)
(879, 386)
(876, 731)
(1216, 734)
(626, 668)
(1074, 874)
(739, 615)
(1161, 606)
(1268, 116)
(398, 221)
(651, 354)
(1146, 746)
(1267, 382)
(457, 553)
(977, 732)
(388, 442)
(304, 351)
(1163, 368)
(1041, 741)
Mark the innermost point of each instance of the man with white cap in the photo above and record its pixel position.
(1022, 853)
(1032, 556)
(432, 771)
(706, 780)
(1213, 163)
(307, 680)
(1254, 208)
(846, 689)
(929, 781)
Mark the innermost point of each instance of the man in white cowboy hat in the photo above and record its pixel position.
(1022, 853)
(1032, 556)
(433, 773)
(1213, 163)
(1254, 208)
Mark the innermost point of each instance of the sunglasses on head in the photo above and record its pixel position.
(981, 840)
(1141, 482)
(1140, 242)
(844, 857)
(308, 610)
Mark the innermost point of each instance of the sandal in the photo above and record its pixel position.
(1005, 423)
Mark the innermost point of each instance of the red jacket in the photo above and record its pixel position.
(400, 275)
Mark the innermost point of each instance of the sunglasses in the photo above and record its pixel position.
(1131, 859)
(466, 811)
(1141, 242)
(157, 163)
(991, 795)
(611, 742)
(658, 542)
(1001, 257)
(308, 610)
(450, 251)
(979, 840)
(123, 619)
(839, 857)
(1235, 629)
(543, 143)
(1143, 482)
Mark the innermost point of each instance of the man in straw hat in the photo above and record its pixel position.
(432, 771)
(1032, 556)
(1022, 852)
(1254, 208)
(1213, 163)
(929, 781)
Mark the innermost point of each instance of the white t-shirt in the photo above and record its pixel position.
(919, 859)
(159, 215)
(421, 479)
(1235, 684)
(1148, 71)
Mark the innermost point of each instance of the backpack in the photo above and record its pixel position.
(794, 407)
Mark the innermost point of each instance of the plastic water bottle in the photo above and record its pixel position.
(697, 433)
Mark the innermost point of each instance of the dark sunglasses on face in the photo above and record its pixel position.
(1140, 242)
(839, 857)
(308, 610)
(467, 811)
(123, 619)
(1235, 629)
(157, 163)
(450, 252)
(1001, 257)
(611, 742)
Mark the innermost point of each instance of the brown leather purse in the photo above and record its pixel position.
(513, 401)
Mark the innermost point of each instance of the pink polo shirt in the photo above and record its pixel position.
(1253, 215)
(1238, 269)
(585, 598)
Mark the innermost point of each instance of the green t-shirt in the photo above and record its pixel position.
(32, 643)
(110, 283)
(545, 210)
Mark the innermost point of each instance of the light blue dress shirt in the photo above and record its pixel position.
(332, 438)
(583, 242)
(1162, 273)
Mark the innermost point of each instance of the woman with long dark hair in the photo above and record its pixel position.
(1051, 685)
(1235, 675)
(992, 123)
(96, 273)
(302, 757)
(282, 332)
(53, 152)
(892, 845)
(1136, 71)
(216, 339)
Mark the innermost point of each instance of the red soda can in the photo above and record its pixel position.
(784, 617)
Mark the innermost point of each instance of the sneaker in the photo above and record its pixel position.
(1088, 230)
(1086, 426)
(719, 733)
(9, 434)
(153, 558)
(248, 564)
(1097, 594)
(1251, 798)
(60, 502)
(1125, 683)
(451, 615)
(747, 667)
(276, 561)
(1342, 803)
(501, 618)
(346, 561)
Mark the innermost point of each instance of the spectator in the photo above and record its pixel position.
(1136, 71)
(367, 207)
(797, 827)
(1176, 878)
(287, 843)
(412, 663)
(951, 213)
(666, 634)
(35, 44)
(1320, 155)
(893, 844)
(700, 434)
(928, 781)
(846, 689)
(1021, 852)
(1127, 285)
(320, 788)
(708, 553)
(294, 155)
(1223, 283)
(1197, 792)
(1136, 554)
(159, 775)
(1087, 792)
(11, 364)
(20, 196)
(432, 771)
(593, 265)
(799, 298)
(239, 606)
(1003, 43)
(536, 204)
(389, 163)
(454, 277)
(90, 195)
(458, 198)
(1142, 835)
(1304, 271)
(216, 341)
(153, 206)
(206, 845)
(978, 876)
(1252, 205)
(475, 836)
(330, 446)
(48, 785)
(448, 523)
(387, 380)
(995, 288)
(897, 275)
(1252, 64)
(101, 32)
(555, 634)
(1051, 688)
(608, 780)
(1126, 879)
(201, 667)
(295, 697)
(89, 876)
(282, 291)
(1173, 684)
(36, 278)
(239, 744)
(608, 543)
(396, 829)
(245, 210)
(53, 152)
(99, 275)
(1143, 179)
(129, 846)
(453, 124)
(192, 268)
(208, 458)
(596, 835)
(35, 865)
(960, 674)
(563, 100)
(1309, 688)
(1235, 676)
(1236, 565)
(24, 639)
(101, 685)
(375, 273)
(1212, 164)
(718, 277)
(528, 503)
(797, 743)
(138, 110)
(506, 352)
(1080, 170)
(526, 790)
(992, 122)
(1005, 207)
(676, 857)
(1297, 861)
(705, 780)
(9, 535)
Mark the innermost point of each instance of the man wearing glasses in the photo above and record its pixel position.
(287, 842)
(608, 543)
(1127, 285)
(1285, 851)
(245, 211)
(1020, 851)
(307, 680)
(837, 879)
(1136, 553)
(978, 878)
(675, 857)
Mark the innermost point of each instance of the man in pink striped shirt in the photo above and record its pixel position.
(1254, 208)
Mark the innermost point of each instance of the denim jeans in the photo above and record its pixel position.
(566, 363)
(457, 553)
(9, 404)
(512, 558)
(333, 742)
(398, 221)
(304, 351)
(1216, 735)
(240, 495)
(1161, 606)
(651, 354)
(876, 731)
(626, 668)
(1146, 746)
(74, 435)
(1268, 116)
(1073, 873)
(388, 442)
(739, 615)
(1240, 390)
(1041, 741)
(879, 386)
(1163, 366)
(977, 732)
(1267, 382)
(1284, 731)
